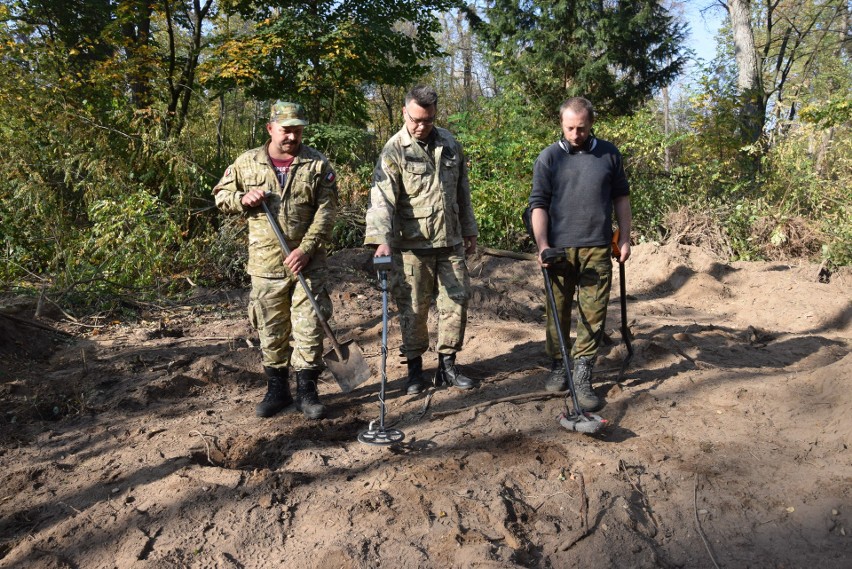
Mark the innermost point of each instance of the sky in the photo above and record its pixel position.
(703, 27)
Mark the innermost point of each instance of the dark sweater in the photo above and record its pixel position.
(577, 191)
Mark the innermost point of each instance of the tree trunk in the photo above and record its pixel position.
(181, 91)
(666, 150)
(749, 79)
(137, 33)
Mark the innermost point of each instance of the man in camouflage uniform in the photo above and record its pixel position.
(299, 185)
(420, 212)
(577, 183)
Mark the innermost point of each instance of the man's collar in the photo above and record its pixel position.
(410, 138)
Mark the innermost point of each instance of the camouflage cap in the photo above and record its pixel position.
(288, 114)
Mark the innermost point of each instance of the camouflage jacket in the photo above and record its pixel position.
(418, 201)
(306, 207)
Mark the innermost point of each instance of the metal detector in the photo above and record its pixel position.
(382, 435)
(572, 419)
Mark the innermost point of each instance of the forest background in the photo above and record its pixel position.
(117, 117)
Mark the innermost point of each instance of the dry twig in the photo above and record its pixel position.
(206, 444)
(698, 523)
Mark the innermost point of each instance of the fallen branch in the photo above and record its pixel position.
(584, 515)
(33, 323)
(524, 397)
(507, 254)
(584, 502)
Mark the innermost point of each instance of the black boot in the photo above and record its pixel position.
(556, 378)
(307, 398)
(449, 373)
(583, 385)
(414, 383)
(277, 392)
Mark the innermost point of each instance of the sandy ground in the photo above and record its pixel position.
(135, 444)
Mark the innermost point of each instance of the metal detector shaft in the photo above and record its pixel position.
(283, 241)
(625, 331)
(382, 436)
(383, 278)
(548, 287)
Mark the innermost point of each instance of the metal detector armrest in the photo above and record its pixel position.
(383, 263)
(552, 255)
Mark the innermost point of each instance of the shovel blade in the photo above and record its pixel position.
(350, 370)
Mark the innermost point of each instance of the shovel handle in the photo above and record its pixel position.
(616, 250)
(283, 242)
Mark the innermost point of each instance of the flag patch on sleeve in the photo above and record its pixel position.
(329, 178)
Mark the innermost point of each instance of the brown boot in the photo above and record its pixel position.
(583, 385)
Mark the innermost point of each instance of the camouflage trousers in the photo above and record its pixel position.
(418, 277)
(278, 308)
(587, 270)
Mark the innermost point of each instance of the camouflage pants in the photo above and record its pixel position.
(418, 277)
(589, 271)
(278, 308)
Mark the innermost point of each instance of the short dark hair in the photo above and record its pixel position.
(423, 95)
(578, 105)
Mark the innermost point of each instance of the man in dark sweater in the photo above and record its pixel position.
(577, 183)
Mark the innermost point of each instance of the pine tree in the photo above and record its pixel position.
(615, 53)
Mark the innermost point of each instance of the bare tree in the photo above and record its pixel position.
(750, 73)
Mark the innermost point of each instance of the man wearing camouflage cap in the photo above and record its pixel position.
(299, 185)
(420, 212)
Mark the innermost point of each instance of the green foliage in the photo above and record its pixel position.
(323, 53)
(342, 144)
(653, 189)
(835, 112)
(501, 142)
(103, 197)
(808, 174)
(353, 188)
(94, 201)
(130, 240)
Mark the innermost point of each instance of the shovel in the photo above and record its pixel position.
(622, 289)
(345, 361)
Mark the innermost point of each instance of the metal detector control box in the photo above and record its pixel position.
(383, 263)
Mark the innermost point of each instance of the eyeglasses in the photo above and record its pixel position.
(420, 122)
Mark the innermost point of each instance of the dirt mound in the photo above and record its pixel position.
(728, 442)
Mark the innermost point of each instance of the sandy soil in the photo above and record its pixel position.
(135, 444)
